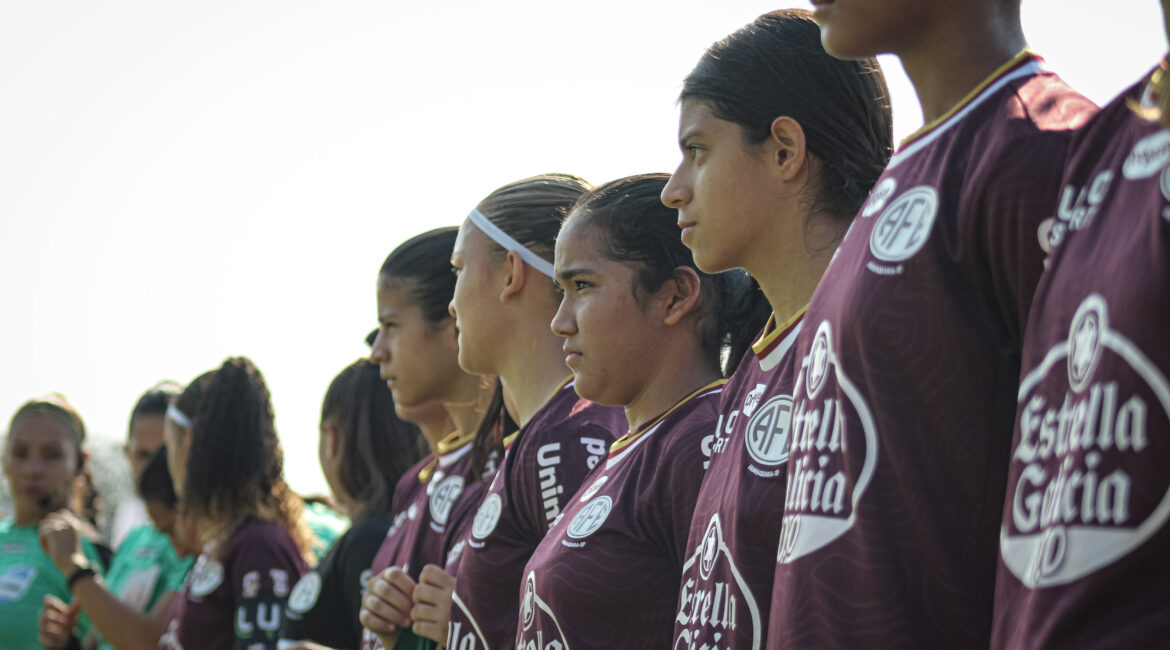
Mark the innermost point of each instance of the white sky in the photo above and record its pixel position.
(183, 181)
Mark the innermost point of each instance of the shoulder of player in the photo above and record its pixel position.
(256, 538)
(683, 432)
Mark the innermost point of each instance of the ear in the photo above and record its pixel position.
(787, 147)
(681, 294)
(516, 275)
(330, 440)
(82, 461)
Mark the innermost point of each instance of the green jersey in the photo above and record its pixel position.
(143, 569)
(327, 525)
(26, 575)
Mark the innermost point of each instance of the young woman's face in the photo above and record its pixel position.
(610, 338)
(41, 461)
(475, 302)
(146, 436)
(418, 359)
(852, 29)
(721, 190)
(178, 441)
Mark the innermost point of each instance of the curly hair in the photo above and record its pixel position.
(235, 466)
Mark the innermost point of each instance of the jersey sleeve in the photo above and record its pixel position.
(550, 472)
(262, 571)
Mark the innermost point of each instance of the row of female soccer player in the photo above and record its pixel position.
(933, 412)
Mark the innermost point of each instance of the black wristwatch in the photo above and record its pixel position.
(78, 574)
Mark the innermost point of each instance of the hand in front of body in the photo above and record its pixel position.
(432, 604)
(55, 626)
(387, 603)
(61, 540)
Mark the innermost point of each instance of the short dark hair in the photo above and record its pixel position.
(156, 400)
(376, 446)
(776, 66)
(422, 265)
(154, 484)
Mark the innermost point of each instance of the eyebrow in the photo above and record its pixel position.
(692, 132)
(569, 274)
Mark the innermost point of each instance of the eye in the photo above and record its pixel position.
(581, 285)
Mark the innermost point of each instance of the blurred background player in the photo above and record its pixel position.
(909, 354)
(644, 329)
(364, 450)
(1084, 536)
(227, 466)
(43, 458)
(143, 438)
(416, 348)
(781, 143)
(129, 606)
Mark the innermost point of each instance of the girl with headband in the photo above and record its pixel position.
(129, 606)
(504, 300)
(781, 142)
(42, 460)
(908, 360)
(1083, 537)
(643, 329)
(227, 466)
(364, 450)
(416, 348)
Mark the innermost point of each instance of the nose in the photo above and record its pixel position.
(677, 192)
(451, 308)
(379, 351)
(564, 323)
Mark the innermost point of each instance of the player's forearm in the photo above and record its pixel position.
(119, 624)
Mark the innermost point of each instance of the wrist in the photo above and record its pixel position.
(78, 575)
(76, 562)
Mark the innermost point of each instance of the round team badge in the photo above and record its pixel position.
(528, 604)
(904, 227)
(818, 362)
(766, 436)
(487, 517)
(1084, 341)
(443, 498)
(206, 577)
(590, 518)
(304, 595)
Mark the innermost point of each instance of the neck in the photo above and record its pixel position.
(434, 428)
(532, 369)
(463, 405)
(352, 509)
(27, 516)
(683, 371)
(788, 288)
(951, 61)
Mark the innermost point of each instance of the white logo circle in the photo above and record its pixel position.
(487, 517)
(1149, 156)
(766, 436)
(592, 489)
(590, 518)
(1084, 341)
(528, 604)
(878, 197)
(710, 548)
(904, 227)
(206, 577)
(443, 498)
(304, 595)
(818, 362)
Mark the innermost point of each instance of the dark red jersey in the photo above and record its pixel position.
(726, 584)
(606, 574)
(424, 499)
(235, 595)
(544, 464)
(1084, 540)
(906, 379)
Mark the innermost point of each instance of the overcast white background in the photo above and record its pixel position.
(184, 181)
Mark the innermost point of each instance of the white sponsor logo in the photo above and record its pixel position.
(463, 634)
(1071, 505)
(818, 489)
(442, 498)
(766, 436)
(1149, 156)
(1078, 206)
(903, 228)
(304, 595)
(528, 604)
(713, 608)
(878, 197)
(487, 517)
(593, 488)
(14, 583)
(206, 576)
(590, 518)
(545, 636)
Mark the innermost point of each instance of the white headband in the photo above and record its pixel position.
(503, 239)
(178, 417)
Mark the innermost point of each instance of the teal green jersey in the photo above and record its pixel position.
(26, 576)
(327, 525)
(143, 569)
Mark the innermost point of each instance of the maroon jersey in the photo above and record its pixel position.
(906, 375)
(606, 574)
(726, 583)
(544, 464)
(234, 597)
(1084, 537)
(424, 498)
